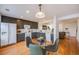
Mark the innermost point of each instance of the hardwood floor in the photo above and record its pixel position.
(66, 47)
(16, 49)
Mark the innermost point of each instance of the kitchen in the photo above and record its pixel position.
(14, 30)
(17, 30)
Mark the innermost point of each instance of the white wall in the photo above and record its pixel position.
(0, 29)
(78, 30)
(40, 25)
(55, 24)
(71, 25)
(0, 17)
(50, 24)
(60, 27)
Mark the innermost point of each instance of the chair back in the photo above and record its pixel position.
(35, 49)
(28, 41)
(52, 38)
(54, 47)
(56, 44)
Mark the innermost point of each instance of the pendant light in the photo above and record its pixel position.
(40, 14)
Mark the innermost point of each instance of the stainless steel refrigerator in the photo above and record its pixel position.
(8, 34)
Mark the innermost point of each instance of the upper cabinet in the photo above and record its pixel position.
(20, 22)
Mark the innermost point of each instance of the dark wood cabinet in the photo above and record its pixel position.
(20, 22)
(62, 35)
(20, 37)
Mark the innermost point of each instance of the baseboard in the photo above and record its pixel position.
(7, 45)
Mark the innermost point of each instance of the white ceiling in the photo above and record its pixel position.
(18, 10)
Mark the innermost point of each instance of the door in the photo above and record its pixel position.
(4, 34)
(12, 33)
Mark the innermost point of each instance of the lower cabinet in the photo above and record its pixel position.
(20, 37)
(62, 35)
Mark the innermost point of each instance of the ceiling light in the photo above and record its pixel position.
(18, 20)
(7, 9)
(27, 11)
(40, 14)
(21, 17)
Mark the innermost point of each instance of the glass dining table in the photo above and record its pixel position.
(43, 45)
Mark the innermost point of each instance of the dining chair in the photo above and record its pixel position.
(35, 49)
(52, 48)
(52, 38)
(28, 41)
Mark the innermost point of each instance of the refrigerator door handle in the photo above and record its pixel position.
(3, 33)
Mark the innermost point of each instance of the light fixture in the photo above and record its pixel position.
(27, 11)
(7, 9)
(21, 17)
(40, 14)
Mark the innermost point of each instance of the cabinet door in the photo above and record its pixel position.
(4, 34)
(12, 33)
(20, 37)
